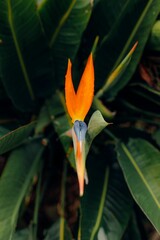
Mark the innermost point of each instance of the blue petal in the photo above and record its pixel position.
(80, 129)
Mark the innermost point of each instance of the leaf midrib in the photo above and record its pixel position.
(137, 25)
(139, 172)
(19, 54)
(25, 185)
(100, 210)
(61, 23)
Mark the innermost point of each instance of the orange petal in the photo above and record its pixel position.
(70, 92)
(84, 95)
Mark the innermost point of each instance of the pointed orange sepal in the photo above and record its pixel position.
(70, 92)
(79, 103)
(85, 90)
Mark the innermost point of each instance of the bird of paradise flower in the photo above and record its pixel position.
(78, 104)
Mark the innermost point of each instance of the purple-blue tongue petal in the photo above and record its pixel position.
(80, 129)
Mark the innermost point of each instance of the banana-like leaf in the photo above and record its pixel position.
(22, 164)
(43, 120)
(53, 14)
(21, 235)
(140, 162)
(57, 233)
(25, 60)
(105, 192)
(116, 74)
(154, 40)
(133, 230)
(14, 138)
(68, 39)
(61, 123)
(134, 21)
(60, 230)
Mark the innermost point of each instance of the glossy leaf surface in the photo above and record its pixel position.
(105, 192)
(16, 178)
(140, 162)
(14, 138)
(24, 56)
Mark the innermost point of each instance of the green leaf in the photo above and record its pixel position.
(97, 104)
(23, 234)
(22, 164)
(55, 232)
(154, 40)
(24, 56)
(106, 206)
(60, 119)
(95, 126)
(43, 120)
(61, 123)
(53, 23)
(130, 26)
(112, 79)
(117, 208)
(133, 230)
(67, 42)
(14, 138)
(140, 162)
(60, 230)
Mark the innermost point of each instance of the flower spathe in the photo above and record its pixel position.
(78, 104)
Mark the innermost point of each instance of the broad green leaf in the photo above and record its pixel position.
(22, 164)
(67, 42)
(14, 138)
(154, 40)
(56, 232)
(23, 234)
(140, 162)
(117, 208)
(43, 120)
(130, 26)
(60, 119)
(133, 230)
(112, 79)
(25, 61)
(61, 123)
(52, 23)
(106, 205)
(60, 230)
(95, 126)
